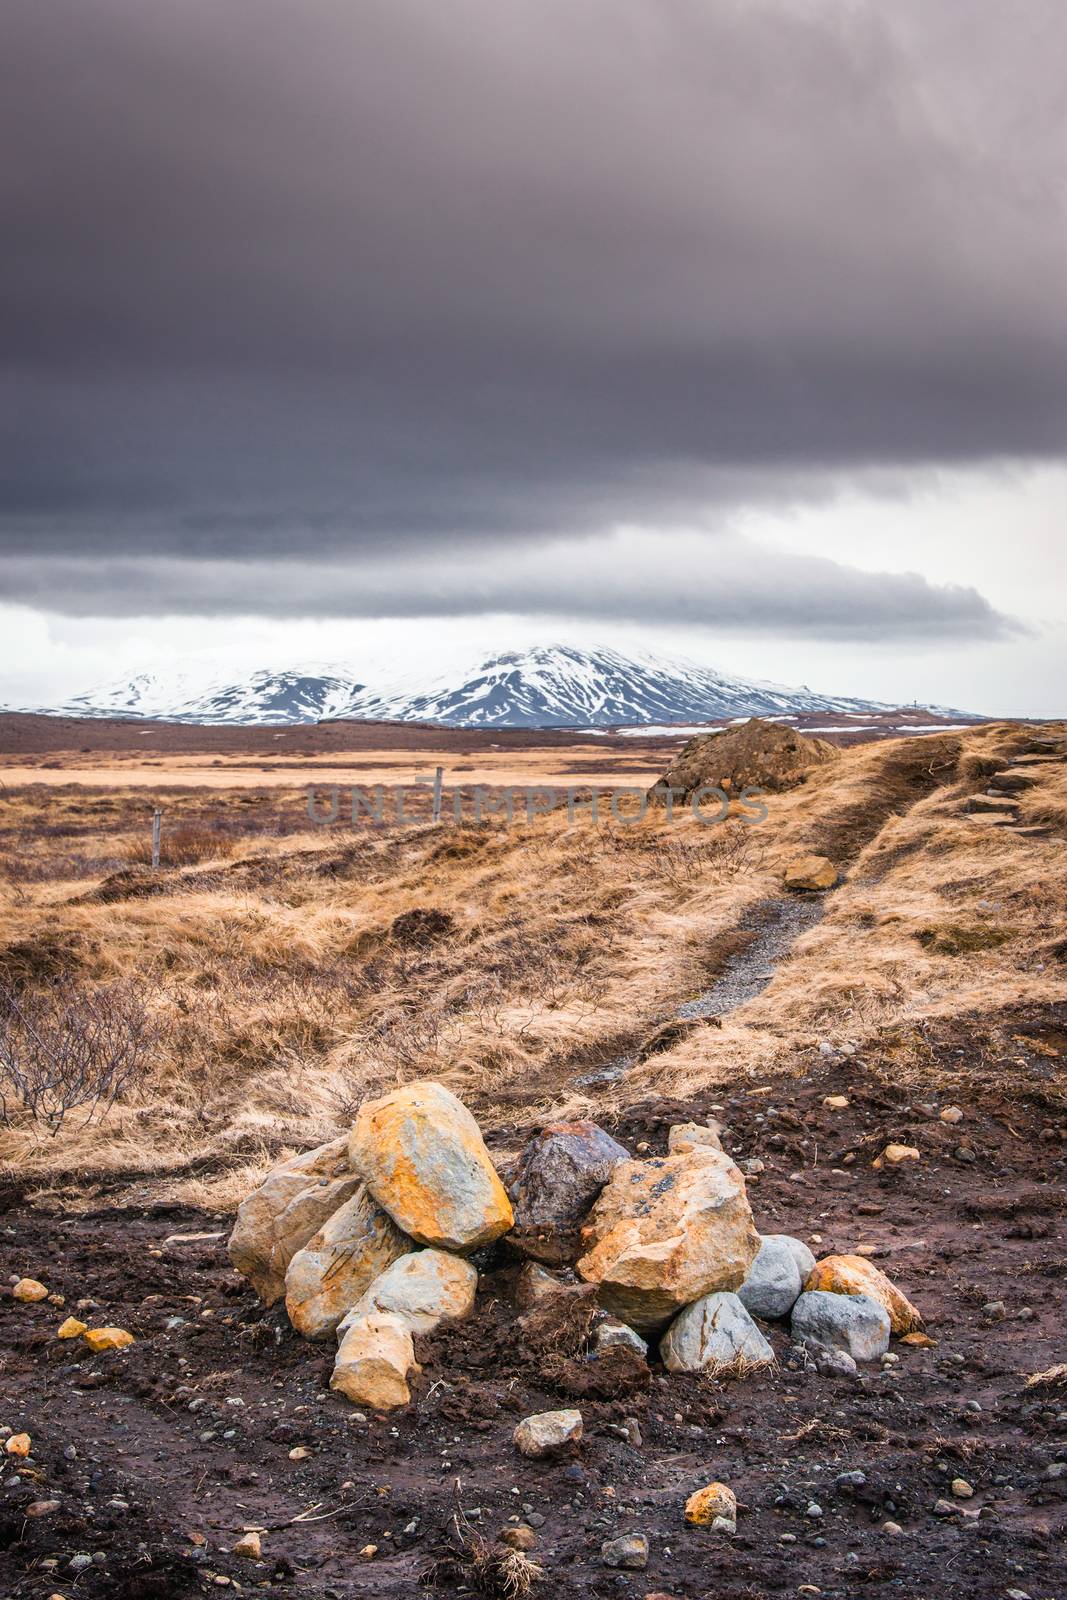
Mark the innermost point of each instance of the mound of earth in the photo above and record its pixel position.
(757, 754)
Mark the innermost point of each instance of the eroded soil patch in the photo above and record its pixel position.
(161, 1455)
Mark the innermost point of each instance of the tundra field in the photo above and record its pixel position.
(169, 1035)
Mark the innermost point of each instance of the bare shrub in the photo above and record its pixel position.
(183, 846)
(726, 855)
(66, 1048)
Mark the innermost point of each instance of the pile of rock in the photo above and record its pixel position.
(371, 1238)
(338, 1232)
(756, 754)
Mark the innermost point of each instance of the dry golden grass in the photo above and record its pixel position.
(283, 995)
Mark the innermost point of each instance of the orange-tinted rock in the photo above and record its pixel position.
(714, 1506)
(107, 1338)
(857, 1275)
(425, 1162)
(277, 1219)
(667, 1231)
(810, 872)
(71, 1329)
(894, 1154)
(339, 1263)
(29, 1291)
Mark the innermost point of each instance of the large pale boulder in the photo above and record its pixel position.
(560, 1173)
(667, 1231)
(776, 1277)
(855, 1324)
(277, 1219)
(714, 1334)
(425, 1162)
(374, 1362)
(339, 1263)
(424, 1288)
(857, 1275)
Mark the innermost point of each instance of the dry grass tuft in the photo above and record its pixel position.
(477, 1566)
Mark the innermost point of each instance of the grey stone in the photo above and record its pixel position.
(776, 1277)
(611, 1332)
(853, 1323)
(548, 1431)
(560, 1173)
(715, 1331)
(424, 1287)
(629, 1551)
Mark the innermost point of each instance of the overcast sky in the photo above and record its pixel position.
(340, 329)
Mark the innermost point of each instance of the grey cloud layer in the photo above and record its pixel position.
(347, 277)
(740, 586)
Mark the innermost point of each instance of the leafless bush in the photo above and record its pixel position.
(185, 845)
(67, 1047)
(727, 854)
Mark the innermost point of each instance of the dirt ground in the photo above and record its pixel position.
(159, 1456)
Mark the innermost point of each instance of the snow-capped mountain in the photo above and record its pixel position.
(549, 686)
(263, 697)
(560, 686)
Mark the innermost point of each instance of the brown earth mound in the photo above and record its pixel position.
(757, 754)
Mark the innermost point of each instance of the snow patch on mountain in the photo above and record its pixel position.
(549, 686)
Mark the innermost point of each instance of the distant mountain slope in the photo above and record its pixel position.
(560, 686)
(549, 686)
(262, 697)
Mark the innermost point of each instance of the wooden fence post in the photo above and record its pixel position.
(157, 818)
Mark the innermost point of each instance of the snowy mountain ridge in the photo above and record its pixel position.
(548, 686)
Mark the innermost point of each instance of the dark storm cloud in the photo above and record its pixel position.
(349, 277)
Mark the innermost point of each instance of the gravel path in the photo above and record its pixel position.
(778, 924)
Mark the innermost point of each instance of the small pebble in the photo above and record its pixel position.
(629, 1552)
(850, 1480)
